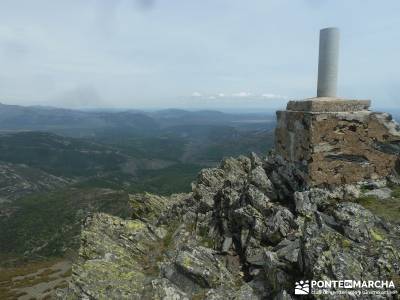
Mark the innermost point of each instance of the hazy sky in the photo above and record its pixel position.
(192, 54)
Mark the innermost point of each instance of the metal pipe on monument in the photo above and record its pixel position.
(328, 62)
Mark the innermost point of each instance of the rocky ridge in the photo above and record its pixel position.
(248, 230)
(17, 180)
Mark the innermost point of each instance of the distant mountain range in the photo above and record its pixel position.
(58, 165)
(71, 122)
(94, 123)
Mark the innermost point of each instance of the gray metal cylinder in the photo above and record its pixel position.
(328, 62)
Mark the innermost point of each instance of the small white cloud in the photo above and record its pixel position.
(221, 95)
(273, 96)
(242, 94)
(196, 94)
(268, 95)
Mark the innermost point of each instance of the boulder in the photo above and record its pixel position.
(202, 266)
(163, 289)
(279, 225)
(382, 193)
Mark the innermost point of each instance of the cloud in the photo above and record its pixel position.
(242, 94)
(273, 96)
(145, 4)
(13, 49)
(242, 100)
(80, 96)
(196, 94)
(108, 11)
(125, 48)
(249, 95)
(12, 43)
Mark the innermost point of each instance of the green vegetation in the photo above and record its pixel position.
(158, 248)
(158, 147)
(111, 181)
(58, 155)
(231, 142)
(49, 223)
(232, 148)
(44, 219)
(388, 209)
(376, 235)
(396, 192)
(52, 181)
(173, 179)
(13, 280)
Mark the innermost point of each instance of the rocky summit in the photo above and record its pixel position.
(249, 230)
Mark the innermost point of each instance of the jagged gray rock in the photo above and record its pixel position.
(380, 193)
(248, 230)
(163, 289)
(279, 225)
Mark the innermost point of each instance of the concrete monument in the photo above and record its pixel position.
(336, 141)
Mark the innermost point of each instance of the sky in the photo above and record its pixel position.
(208, 54)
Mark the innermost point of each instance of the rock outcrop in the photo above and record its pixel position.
(248, 230)
(18, 180)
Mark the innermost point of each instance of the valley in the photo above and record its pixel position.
(59, 166)
(62, 166)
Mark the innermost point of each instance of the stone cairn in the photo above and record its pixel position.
(332, 140)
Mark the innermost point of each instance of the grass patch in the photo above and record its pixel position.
(159, 248)
(67, 274)
(61, 285)
(12, 279)
(388, 209)
(396, 192)
(52, 221)
(346, 243)
(376, 235)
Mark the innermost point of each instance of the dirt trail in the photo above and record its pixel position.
(43, 289)
(35, 281)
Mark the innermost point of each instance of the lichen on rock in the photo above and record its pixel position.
(249, 230)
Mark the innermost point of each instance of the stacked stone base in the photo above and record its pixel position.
(337, 141)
